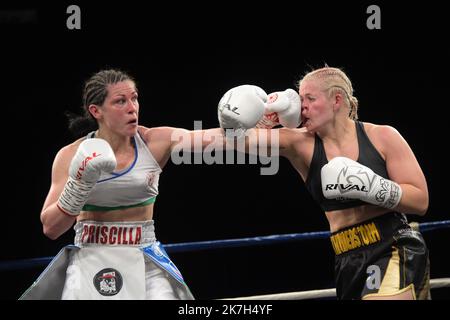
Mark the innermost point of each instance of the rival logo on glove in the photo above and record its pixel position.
(345, 187)
(84, 164)
(352, 178)
(228, 106)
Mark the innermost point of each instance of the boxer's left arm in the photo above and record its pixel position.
(250, 101)
(162, 141)
(406, 190)
(344, 178)
(403, 168)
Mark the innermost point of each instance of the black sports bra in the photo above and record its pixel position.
(368, 156)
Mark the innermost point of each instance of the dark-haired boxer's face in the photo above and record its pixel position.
(316, 106)
(121, 108)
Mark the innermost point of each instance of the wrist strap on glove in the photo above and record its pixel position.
(74, 196)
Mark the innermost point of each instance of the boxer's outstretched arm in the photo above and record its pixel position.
(248, 110)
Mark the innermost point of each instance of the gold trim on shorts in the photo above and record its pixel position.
(390, 294)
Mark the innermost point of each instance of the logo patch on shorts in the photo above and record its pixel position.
(108, 282)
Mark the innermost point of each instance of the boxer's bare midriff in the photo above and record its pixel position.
(340, 219)
(130, 214)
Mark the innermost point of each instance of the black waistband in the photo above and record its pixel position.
(367, 233)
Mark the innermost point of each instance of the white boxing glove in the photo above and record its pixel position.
(283, 107)
(343, 178)
(241, 108)
(93, 157)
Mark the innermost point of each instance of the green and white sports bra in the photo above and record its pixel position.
(134, 186)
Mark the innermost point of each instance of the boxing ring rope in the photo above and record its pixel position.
(323, 293)
(253, 241)
(218, 244)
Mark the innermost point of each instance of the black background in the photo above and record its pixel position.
(185, 56)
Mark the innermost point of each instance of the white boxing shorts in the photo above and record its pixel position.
(111, 261)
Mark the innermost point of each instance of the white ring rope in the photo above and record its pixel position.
(323, 293)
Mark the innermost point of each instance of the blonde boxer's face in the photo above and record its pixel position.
(121, 108)
(316, 106)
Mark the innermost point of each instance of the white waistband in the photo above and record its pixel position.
(126, 233)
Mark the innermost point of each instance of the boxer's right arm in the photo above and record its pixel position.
(55, 223)
(72, 183)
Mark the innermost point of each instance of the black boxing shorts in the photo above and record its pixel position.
(380, 257)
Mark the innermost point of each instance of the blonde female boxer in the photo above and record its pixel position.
(363, 175)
